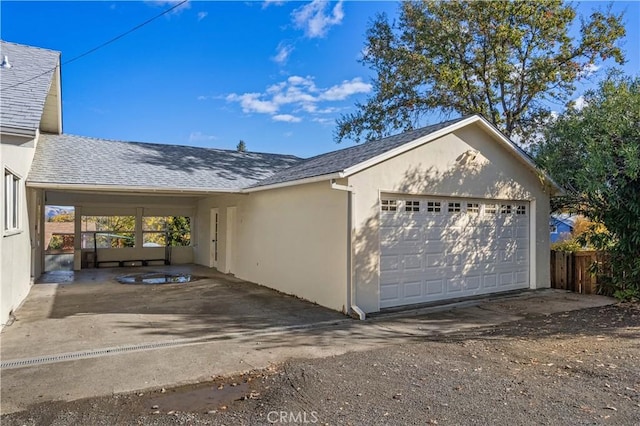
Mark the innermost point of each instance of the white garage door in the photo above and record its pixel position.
(442, 248)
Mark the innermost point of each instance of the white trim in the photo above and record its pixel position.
(533, 214)
(16, 131)
(132, 189)
(321, 178)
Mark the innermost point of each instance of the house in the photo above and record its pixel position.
(561, 226)
(29, 104)
(443, 212)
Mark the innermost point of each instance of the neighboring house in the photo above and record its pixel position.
(29, 104)
(561, 226)
(442, 212)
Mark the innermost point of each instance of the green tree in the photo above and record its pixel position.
(594, 153)
(241, 147)
(499, 59)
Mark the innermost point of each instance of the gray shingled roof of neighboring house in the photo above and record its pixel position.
(77, 160)
(340, 160)
(21, 106)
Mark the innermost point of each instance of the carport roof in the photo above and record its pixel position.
(68, 161)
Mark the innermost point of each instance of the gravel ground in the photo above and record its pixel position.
(579, 367)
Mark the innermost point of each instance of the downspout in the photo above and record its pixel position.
(351, 297)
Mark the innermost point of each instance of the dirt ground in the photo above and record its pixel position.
(579, 367)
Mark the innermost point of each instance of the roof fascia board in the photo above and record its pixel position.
(125, 189)
(313, 179)
(16, 131)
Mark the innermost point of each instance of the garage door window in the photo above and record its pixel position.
(490, 209)
(434, 206)
(505, 209)
(454, 207)
(412, 206)
(389, 205)
(473, 208)
(521, 210)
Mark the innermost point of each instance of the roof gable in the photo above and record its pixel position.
(25, 85)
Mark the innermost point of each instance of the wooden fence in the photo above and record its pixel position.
(570, 271)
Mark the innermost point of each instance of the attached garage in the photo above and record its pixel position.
(434, 248)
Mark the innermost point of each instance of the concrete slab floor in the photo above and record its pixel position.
(207, 332)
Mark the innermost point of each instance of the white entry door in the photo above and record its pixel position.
(213, 262)
(434, 249)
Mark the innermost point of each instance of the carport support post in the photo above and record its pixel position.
(77, 238)
(138, 235)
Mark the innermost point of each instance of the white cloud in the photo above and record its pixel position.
(267, 3)
(579, 103)
(345, 89)
(287, 118)
(201, 137)
(589, 69)
(289, 99)
(250, 102)
(315, 19)
(202, 15)
(169, 3)
(282, 53)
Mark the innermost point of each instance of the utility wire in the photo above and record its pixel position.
(90, 51)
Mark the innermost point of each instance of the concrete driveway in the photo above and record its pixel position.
(87, 335)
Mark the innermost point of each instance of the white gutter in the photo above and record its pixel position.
(118, 188)
(314, 179)
(352, 307)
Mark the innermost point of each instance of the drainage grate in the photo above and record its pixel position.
(49, 359)
(71, 356)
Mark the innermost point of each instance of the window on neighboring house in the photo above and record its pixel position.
(11, 201)
(553, 229)
(108, 231)
(161, 231)
(389, 205)
(412, 206)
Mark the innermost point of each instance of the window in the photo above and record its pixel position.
(473, 208)
(161, 231)
(108, 231)
(521, 210)
(389, 205)
(11, 201)
(505, 209)
(454, 207)
(412, 206)
(490, 209)
(553, 229)
(434, 206)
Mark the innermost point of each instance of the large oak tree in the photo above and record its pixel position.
(504, 60)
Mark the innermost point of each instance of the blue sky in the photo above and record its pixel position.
(274, 74)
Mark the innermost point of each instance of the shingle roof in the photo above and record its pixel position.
(77, 160)
(21, 105)
(340, 160)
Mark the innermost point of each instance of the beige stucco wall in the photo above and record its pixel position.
(436, 169)
(16, 154)
(291, 239)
